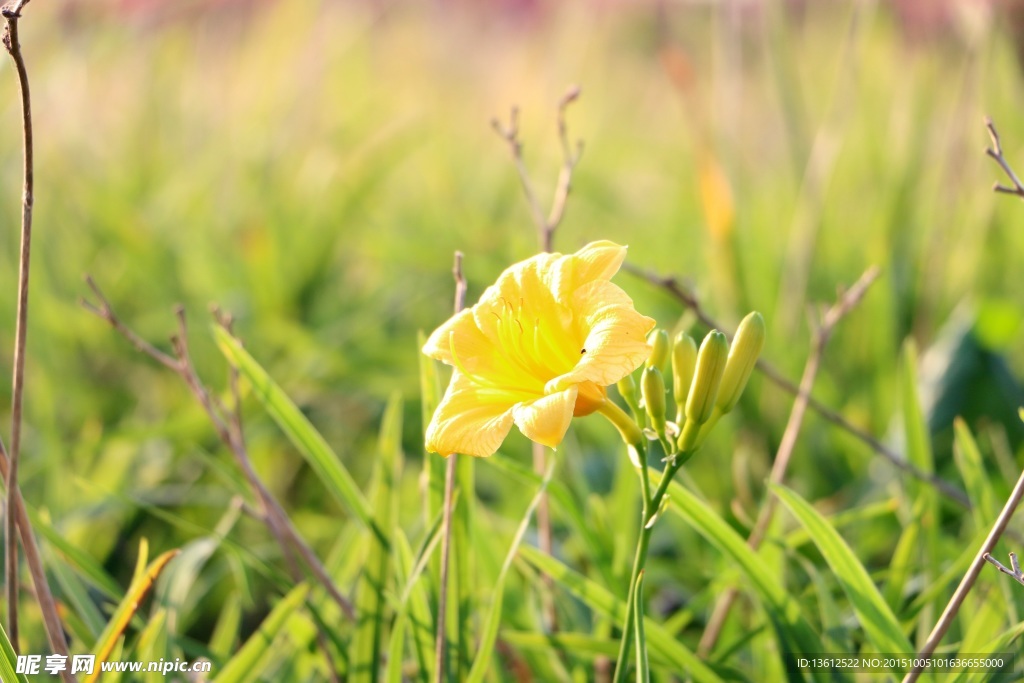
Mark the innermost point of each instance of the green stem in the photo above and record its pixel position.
(651, 507)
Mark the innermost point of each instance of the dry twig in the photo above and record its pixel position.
(996, 152)
(821, 332)
(441, 642)
(1013, 571)
(16, 515)
(228, 426)
(546, 233)
(984, 553)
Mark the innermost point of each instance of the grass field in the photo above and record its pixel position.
(312, 167)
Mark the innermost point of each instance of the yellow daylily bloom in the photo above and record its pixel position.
(538, 348)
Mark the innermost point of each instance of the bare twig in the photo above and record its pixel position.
(12, 13)
(821, 333)
(996, 152)
(441, 642)
(678, 291)
(1014, 570)
(570, 158)
(227, 424)
(966, 583)
(984, 553)
(546, 233)
(16, 515)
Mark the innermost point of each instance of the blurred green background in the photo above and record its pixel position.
(312, 166)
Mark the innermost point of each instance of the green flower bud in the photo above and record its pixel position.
(746, 347)
(658, 339)
(652, 386)
(707, 377)
(627, 389)
(684, 360)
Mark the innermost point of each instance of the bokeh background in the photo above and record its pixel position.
(312, 166)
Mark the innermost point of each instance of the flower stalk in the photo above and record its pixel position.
(697, 392)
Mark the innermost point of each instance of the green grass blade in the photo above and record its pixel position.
(246, 662)
(493, 622)
(365, 658)
(297, 428)
(82, 561)
(972, 470)
(433, 468)
(879, 623)
(601, 600)
(142, 582)
(782, 607)
(643, 666)
(9, 660)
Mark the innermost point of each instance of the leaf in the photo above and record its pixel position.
(493, 622)
(9, 660)
(795, 632)
(878, 621)
(643, 666)
(365, 652)
(246, 661)
(297, 428)
(600, 600)
(142, 582)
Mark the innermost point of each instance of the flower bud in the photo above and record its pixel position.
(746, 347)
(652, 386)
(627, 389)
(684, 360)
(707, 377)
(658, 339)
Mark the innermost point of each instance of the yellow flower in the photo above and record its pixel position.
(540, 346)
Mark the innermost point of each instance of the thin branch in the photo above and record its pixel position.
(570, 158)
(16, 513)
(673, 287)
(821, 333)
(546, 235)
(441, 642)
(996, 152)
(12, 13)
(227, 424)
(966, 583)
(1014, 570)
(984, 553)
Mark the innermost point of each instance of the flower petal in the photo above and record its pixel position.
(616, 335)
(546, 419)
(470, 420)
(595, 262)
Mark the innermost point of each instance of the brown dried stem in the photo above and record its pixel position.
(570, 158)
(996, 152)
(821, 332)
(441, 642)
(12, 13)
(545, 232)
(16, 515)
(984, 553)
(228, 426)
(673, 287)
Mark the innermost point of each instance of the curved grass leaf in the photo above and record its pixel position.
(643, 666)
(878, 621)
(794, 630)
(9, 660)
(599, 599)
(365, 657)
(246, 660)
(142, 582)
(490, 634)
(297, 428)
